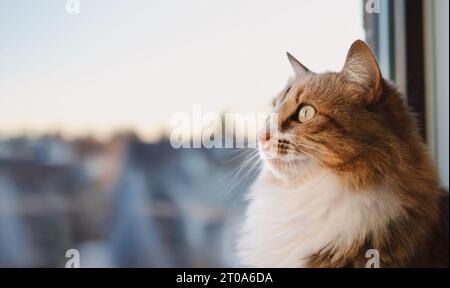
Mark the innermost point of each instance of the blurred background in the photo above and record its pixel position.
(87, 90)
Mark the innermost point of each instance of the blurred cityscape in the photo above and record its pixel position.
(121, 202)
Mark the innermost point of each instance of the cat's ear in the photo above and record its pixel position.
(300, 70)
(361, 68)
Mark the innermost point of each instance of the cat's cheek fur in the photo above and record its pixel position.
(285, 226)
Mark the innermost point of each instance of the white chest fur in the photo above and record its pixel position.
(284, 225)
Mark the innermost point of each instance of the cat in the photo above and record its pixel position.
(347, 173)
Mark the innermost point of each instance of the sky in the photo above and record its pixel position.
(131, 64)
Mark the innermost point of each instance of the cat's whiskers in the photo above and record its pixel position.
(289, 163)
(306, 168)
(239, 154)
(249, 155)
(294, 161)
(315, 149)
(312, 157)
(246, 162)
(306, 146)
(299, 146)
(253, 161)
(249, 172)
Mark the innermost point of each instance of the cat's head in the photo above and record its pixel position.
(326, 119)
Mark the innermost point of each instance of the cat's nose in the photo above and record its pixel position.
(264, 136)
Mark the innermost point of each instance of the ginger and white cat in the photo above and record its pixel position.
(347, 172)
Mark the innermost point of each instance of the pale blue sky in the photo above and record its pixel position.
(131, 64)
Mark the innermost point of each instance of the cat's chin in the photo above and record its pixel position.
(287, 169)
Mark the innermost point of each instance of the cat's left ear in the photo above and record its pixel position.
(299, 69)
(361, 68)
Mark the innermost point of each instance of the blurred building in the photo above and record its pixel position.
(122, 203)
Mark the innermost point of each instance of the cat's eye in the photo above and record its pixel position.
(306, 113)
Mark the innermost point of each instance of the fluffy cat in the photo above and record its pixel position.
(347, 172)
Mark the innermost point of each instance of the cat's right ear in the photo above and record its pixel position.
(299, 69)
(361, 68)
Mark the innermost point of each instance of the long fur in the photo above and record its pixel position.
(355, 177)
